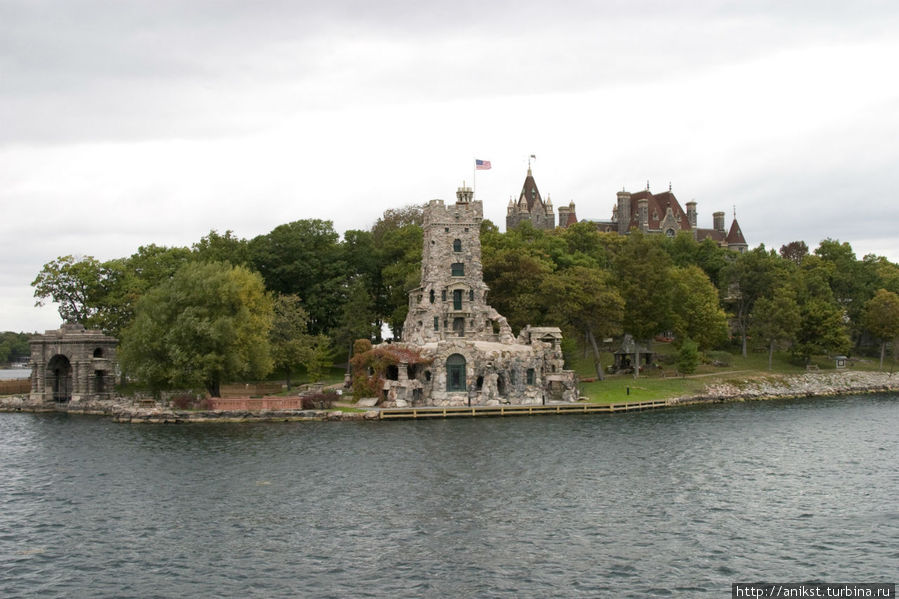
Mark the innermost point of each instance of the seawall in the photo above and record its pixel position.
(750, 388)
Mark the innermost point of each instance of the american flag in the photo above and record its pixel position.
(482, 165)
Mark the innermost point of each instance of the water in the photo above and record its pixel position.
(14, 373)
(670, 503)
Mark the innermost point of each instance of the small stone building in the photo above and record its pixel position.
(469, 354)
(73, 364)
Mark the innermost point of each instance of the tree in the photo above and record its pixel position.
(304, 258)
(752, 275)
(687, 357)
(216, 247)
(78, 285)
(358, 319)
(514, 279)
(795, 252)
(584, 301)
(319, 357)
(822, 330)
(881, 318)
(290, 344)
(206, 325)
(695, 311)
(776, 320)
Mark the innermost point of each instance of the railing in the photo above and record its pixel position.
(526, 410)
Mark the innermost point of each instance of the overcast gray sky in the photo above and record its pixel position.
(128, 123)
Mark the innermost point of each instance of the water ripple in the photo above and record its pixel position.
(678, 503)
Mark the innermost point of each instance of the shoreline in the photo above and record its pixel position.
(757, 388)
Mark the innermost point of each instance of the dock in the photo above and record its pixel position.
(523, 410)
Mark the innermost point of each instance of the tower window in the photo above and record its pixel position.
(443, 295)
(471, 295)
(431, 294)
(530, 375)
(458, 269)
(436, 323)
(446, 229)
(457, 299)
(457, 245)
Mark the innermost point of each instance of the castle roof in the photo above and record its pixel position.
(716, 236)
(735, 235)
(657, 205)
(529, 192)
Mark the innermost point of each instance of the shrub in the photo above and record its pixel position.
(319, 401)
(719, 358)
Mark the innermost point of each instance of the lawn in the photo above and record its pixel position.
(664, 383)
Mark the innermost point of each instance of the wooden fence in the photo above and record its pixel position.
(15, 387)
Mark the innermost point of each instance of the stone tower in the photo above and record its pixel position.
(452, 299)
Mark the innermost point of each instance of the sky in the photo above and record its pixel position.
(125, 123)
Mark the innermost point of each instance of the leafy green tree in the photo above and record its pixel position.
(304, 258)
(687, 357)
(206, 325)
(776, 320)
(584, 302)
(695, 310)
(822, 330)
(751, 275)
(515, 279)
(399, 258)
(881, 318)
(290, 344)
(358, 319)
(14, 347)
(78, 285)
(216, 247)
(319, 357)
(642, 272)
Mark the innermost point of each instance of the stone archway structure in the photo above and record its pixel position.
(73, 364)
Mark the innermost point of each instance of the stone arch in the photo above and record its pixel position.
(455, 373)
(59, 378)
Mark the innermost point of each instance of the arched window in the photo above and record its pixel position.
(432, 296)
(457, 245)
(98, 353)
(455, 373)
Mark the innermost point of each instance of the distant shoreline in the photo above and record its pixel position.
(756, 388)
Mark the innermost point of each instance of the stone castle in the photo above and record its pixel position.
(659, 214)
(472, 356)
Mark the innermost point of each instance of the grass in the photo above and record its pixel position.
(663, 383)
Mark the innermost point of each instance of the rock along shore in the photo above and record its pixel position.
(779, 386)
(757, 387)
(127, 410)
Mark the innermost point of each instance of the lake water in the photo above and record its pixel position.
(14, 373)
(668, 503)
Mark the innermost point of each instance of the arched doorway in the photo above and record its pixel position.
(455, 373)
(59, 378)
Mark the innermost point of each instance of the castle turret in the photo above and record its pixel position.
(643, 213)
(624, 212)
(691, 213)
(718, 221)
